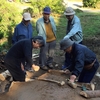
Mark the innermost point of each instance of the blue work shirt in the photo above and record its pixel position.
(74, 30)
(80, 57)
(22, 32)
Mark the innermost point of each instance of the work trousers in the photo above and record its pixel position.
(14, 67)
(47, 53)
(87, 75)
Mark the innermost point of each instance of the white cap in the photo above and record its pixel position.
(27, 16)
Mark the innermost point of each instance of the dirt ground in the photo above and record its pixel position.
(43, 90)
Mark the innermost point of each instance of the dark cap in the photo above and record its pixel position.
(47, 10)
(39, 39)
(66, 43)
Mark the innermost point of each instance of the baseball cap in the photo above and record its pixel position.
(27, 16)
(66, 43)
(47, 10)
(69, 11)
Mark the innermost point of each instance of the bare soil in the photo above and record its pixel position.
(43, 90)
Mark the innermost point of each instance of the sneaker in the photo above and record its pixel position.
(44, 68)
(50, 65)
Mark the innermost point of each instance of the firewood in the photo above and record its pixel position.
(90, 94)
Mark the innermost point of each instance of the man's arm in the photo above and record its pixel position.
(14, 39)
(74, 30)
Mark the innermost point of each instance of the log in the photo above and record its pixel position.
(56, 71)
(4, 75)
(90, 94)
(89, 86)
(61, 83)
(72, 84)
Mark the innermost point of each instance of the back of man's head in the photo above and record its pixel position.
(39, 39)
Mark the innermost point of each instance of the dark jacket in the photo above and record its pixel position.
(19, 51)
(80, 57)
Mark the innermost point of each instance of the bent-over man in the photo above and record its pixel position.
(19, 51)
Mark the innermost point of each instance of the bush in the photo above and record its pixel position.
(55, 5)
(7, 20)
(30, 10)
(90, 3)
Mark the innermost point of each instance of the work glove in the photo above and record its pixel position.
(35, 67)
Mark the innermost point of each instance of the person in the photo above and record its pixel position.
(73, 30)
(19, 51)
(46, 28)
(24, 29)
(84, 63)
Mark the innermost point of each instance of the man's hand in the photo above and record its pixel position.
(22, 67)
(35, 67)
(67, 71)
(72, 78)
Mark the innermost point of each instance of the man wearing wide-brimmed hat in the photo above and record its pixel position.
(74, 30)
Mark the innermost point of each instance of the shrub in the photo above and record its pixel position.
(90, 3)
(7, 20)
(55, 5)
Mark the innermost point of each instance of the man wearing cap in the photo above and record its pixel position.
(84, 63)
(19, 51)
(23, 30)
(46, 28)
(74, 30)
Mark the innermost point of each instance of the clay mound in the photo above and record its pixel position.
(43, 90)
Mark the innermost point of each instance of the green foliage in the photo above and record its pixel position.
(10, 16)
(7, 20)
(55, 5)
(90, 3)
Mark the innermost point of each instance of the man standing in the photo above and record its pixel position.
(46, 28)
(74, 30)
(83, 61)
(19, 51)
(23, 30)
